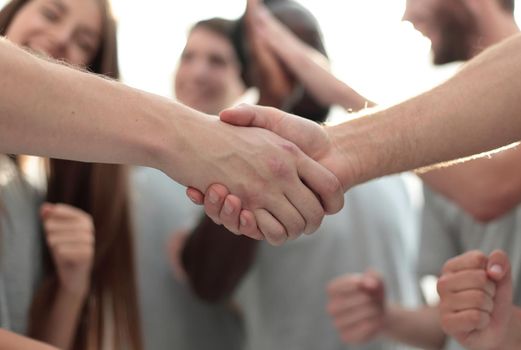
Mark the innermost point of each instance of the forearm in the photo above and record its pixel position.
(419, 328)
(12, 341)
(311, 67)
(48, 109)
(216, 260)
(486, 188)
(63, 320)
(475, 111)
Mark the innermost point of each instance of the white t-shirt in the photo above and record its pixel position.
(172, 317)
(283, 297)
(21, 243)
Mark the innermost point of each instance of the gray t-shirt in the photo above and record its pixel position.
(20, 247)
(283, 298)
(172, 317)
(448, 231)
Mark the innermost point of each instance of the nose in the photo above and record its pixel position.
(199, 71)
(59, 40)
(407, 15)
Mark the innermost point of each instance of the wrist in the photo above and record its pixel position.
(512, 336)
(176, 144)
(75, 297)
(346, 156)
(390, 317)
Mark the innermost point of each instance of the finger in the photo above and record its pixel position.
(247, 115)
(465, 321)
(358, 315)
(214, 201)
(345, 284)
(67, 212)
(229, 215)
(323, 183)
(469, 300)
(195, 195)
(340, 305)
(320, 180)
(466, 280)
(248, 225)
(54, 241)
(45, 210)
(373, 284)
(271, 228)
(304, 199)
(52, 226)
(468, 261)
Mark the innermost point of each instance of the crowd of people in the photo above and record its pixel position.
(177, 223)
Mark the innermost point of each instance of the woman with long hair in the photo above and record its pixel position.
(87, 296)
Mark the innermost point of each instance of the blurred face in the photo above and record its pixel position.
(447, 23)
(69, 30)
(208, 78)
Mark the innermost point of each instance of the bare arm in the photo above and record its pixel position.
(50, 110)
(11, 341)
(486, 188)
(215, 260)
(309, 65)
(70, 239)
(420, 327)
(63, 319)
(475, 111)
(358, 307)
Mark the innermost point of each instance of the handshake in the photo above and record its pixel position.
(280, 176)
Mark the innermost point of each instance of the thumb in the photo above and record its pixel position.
(195, 195)
(499, 270)
(246, 115)
(373, 283)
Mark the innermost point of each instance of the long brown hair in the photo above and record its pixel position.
(102, 191)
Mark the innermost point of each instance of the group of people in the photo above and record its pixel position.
(116, 256)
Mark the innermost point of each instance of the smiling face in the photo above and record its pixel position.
(208, 78)
(69, 30)
(447, 23)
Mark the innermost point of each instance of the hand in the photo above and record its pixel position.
(357, 306)
(309, 65)
(316, 141)
(274, 179)
(175, 250)
(267, 73)
(476, 300)
(69, 233)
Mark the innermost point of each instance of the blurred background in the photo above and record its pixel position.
(384, 59)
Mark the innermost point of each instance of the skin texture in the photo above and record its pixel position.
(401, 137)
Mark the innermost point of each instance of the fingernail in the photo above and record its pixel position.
(228, 209)
(192, 198)
(243, 221)
(213, 197)
(497, 269)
